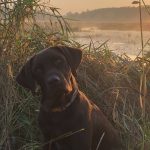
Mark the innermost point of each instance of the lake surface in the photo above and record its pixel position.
(120, 42)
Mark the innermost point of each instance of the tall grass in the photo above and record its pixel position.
(21, 35)
(112, 81)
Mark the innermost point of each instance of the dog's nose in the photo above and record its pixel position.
(53, 79)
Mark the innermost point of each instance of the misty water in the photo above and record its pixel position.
(120, 42)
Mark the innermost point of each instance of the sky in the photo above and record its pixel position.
(83, 5)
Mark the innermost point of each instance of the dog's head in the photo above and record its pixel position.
(53, 70)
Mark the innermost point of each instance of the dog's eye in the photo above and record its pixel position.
(38, 70)
(58, 62)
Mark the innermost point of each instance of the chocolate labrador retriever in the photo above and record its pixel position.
(67, 118)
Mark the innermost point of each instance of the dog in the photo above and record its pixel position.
(67, 118)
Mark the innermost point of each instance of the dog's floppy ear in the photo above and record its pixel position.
(24, 78)
(73, 56)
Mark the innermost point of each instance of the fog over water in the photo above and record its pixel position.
(120, 42)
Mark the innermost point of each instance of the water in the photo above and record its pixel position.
(120, 42)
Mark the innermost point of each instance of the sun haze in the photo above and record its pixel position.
(83, 5)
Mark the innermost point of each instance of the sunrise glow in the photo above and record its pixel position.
(78, 5)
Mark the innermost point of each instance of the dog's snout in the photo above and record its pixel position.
(53, 79)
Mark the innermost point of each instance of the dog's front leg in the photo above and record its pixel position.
(47, 145)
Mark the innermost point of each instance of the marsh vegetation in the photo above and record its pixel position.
(118, 84)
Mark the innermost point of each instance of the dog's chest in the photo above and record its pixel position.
(62, 123)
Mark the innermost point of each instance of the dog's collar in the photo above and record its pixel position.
(60, 109)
